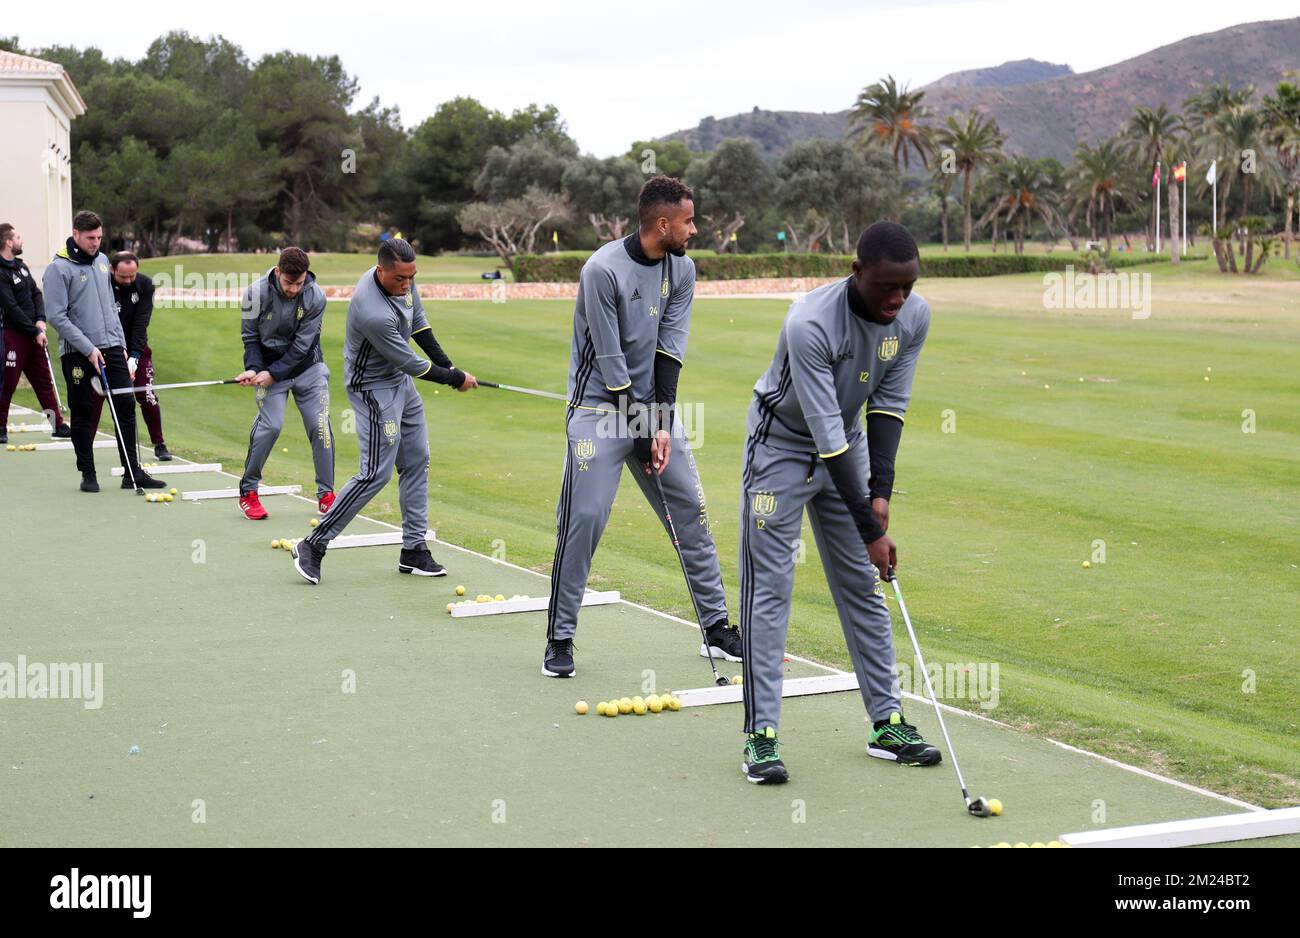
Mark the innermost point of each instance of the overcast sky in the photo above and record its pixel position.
(621, 71)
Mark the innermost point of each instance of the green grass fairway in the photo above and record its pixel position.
(1177, 654)
(330, 269)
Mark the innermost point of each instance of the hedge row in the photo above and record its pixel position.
(564, 268)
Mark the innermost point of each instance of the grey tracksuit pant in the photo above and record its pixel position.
(592, 468)
(391, 434)
(776, 487)
(311, 392)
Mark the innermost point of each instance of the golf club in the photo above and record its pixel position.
(979, 806)
(672, 532)
(511, 387)
(99, 389)
(117, 431)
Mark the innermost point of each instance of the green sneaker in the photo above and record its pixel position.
(763, 765)
(899, 742)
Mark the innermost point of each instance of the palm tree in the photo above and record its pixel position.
(1237, 133)
(1097, 183)
(1145, 137)
(1201, 115)
(943, 180)
(975, 141)
(1023, 190)
(891, 117)
(1283, 118)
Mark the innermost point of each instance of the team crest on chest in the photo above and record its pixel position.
(888, 348)
(663, 287)
(103, 268)
(301, 312)
(135, 297)
(409, 302)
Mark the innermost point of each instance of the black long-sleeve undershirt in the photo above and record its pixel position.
(441, 369)
(883, 434)
(848, 483)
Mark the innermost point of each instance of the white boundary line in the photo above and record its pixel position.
(1220, 829)
(954, 710)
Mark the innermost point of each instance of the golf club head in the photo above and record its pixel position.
(722, 681)
(979, 807)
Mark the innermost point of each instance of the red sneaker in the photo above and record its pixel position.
(326, 502)
(252, 508)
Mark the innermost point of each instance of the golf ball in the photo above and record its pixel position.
(313, 522)
(1087, 564)
(460, 591)
(655, 705)
(174, 492)
(450, 606)
(611, 709)
(500, 598)
(639, 707)
(625, 705)
(581, 707)
(11, 448)
(737, 679)
(674, 704)
(995, 807)
(600, 708)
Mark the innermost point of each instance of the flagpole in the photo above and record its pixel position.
(1184, 254)
(1157, 206)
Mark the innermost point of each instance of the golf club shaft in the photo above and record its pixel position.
(54, 381)
(677, 547)
(929, 688)
(169, 387)
(532, 391)
(117, 431)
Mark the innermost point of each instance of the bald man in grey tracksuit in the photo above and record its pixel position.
(630, 330)
(850, 344)
(379, 371)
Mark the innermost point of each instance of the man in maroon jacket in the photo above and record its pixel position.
(23, 351)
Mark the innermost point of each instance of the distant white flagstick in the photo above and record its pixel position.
(159, 387)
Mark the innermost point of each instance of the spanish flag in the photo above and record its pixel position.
(1180, 171)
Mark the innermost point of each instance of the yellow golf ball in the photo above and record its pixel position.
(460, 591)
(674, 704)
(174, 492)
(284, 449)
(600, 708)
(1021, 844)
(638, 700)
(611, 709)
(1038, 843)
(639, 708)
(581, 707)
(1087, 564)
(275, 544)
(11, 448)
(1003, 844)
(314, 521)
(655, 705)
(737, 679)
(625, 705)
(450, 607)
(1055, 843)
(500, 598)
(995, 807)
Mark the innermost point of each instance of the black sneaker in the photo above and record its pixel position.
(60, 433)
(763, 765)
(161, 453)
(142, 480)
(306, 560)
(559, 658)
(724, 642)
(89, 482)
(4, 436)
(419, 562)
(898, 741)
